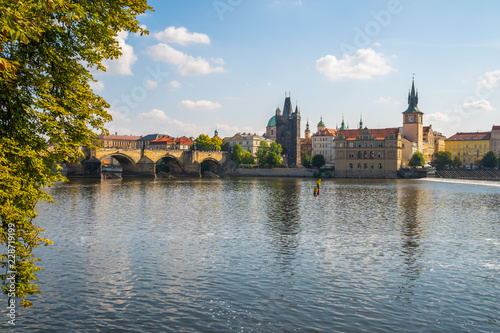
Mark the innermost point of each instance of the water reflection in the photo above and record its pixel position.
(412, 202)
(283, 212)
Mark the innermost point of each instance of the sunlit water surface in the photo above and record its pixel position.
(265, 255)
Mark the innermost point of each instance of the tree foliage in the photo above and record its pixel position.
(457, 162)
(47, 108)
(306, 160)
(205, 143)
(318, 160)
(417, 159)
(237, 153)
(269, 155)
(489, 160)
(247, 158)
(442, 159)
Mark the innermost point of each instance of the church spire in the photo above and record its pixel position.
(412, 99)
(361, 121)
(342, 125)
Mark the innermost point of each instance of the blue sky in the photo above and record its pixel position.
(227, 64)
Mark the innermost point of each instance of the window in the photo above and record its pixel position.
(380, 155)
(365, 166)
(359, 165)
(350, 166)
(380, 165)
(340, 154)
(360, 155)
(371, 166)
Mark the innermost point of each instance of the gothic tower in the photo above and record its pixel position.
(413, 127)
(288, 133)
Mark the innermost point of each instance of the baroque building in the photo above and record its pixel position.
(288, 133)
(365, 153)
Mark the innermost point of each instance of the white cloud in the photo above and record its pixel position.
(174, 84)
(199, 105)
(97, 85)
(119, 124)
(478, 106)
(151, 83)
(157, 121)
(363, 65)
(122, 65)
(186, 64)
(181, 36)
(438, 117)
(491, 79)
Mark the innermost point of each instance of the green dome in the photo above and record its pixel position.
(321, 123)
(272, 122)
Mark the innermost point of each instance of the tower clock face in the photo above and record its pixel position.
(410, 119)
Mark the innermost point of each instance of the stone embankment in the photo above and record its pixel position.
(469, 174)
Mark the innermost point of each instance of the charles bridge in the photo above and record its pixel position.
(142, 162)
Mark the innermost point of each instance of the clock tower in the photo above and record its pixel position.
(413, 127)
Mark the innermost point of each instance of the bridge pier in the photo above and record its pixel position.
(145, 167)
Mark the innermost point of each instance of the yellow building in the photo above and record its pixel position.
(469, 147)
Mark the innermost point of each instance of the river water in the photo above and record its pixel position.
(265, 255)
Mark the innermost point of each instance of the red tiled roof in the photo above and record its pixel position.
(163, 140)
(184, 141)
(326, 132)
(470, 136)
(495, 128)
(378, 133)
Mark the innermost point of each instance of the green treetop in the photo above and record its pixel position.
(47, 108)
(417, 159)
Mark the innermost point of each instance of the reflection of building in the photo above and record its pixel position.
(118, 141)
(247, 141)
(495, 139)
(366, 153)
(288, 133)
(469, 147)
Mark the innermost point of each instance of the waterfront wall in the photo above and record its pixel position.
(280, 172)
(469, 174)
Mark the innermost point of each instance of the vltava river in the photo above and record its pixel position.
(265, 255)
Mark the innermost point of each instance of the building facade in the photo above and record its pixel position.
(167, 142)
(288, 133)
(365, 153)
(470, 147)
(247, 141)
(323, 144)
(495, 139)
(118, 141)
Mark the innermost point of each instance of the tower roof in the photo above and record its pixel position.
(307, 126)
(272, 122)
(287, 108)
(412, 100)
(321, 123)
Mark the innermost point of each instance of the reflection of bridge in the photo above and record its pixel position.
(142, 162)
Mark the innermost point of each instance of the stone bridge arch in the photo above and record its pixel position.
(126, 162)
(173, 163)
(210, 164)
